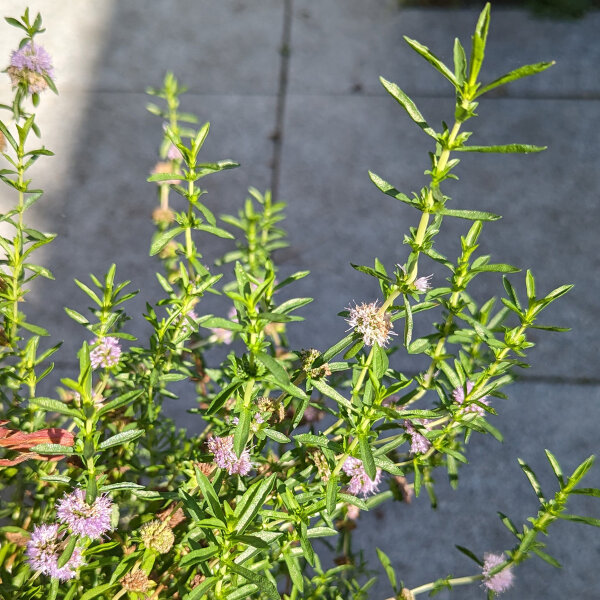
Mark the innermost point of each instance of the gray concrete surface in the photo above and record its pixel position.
(334, 123)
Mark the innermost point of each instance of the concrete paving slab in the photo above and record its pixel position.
(224, 47)
(549, 207)
(420, 542)
(342, 46)
(103, 212)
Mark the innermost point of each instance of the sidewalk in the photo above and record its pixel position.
(309, 122)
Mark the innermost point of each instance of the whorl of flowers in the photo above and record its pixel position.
(459, 397)
(375, 328)
(360, 482)
(44, 550)
(501, 581)
(30, 65)
(106, 353)
(419, 444)
(92, 520)
(225, 457)
(158, 536)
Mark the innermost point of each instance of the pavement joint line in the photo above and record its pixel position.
(277, 135)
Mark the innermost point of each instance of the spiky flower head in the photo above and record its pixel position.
(158, 536)
(422, 284)
(360, 482)
(44, 549)
(92, 520)
(106, 352)
(459, 397)
(225, 456)
(30, 65)
(419, 444)
(376, 328)
(136, 581)
(501, 581)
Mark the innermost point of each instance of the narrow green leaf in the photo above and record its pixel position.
(387, 565)
(460, 62)
(472, 215)
(294, 571)
(50, 404)
(277, 436)
(579, 519)
(197, 556)
(503, 149)
(533, 480)
(52, 449)
(201, 590)
(366, 456)
(524, 71)
(408, 323)
(432, 60)
(121, 438)
(222, 233)
(209, 494)
(331, 495)
(470, 554)
(97, 591)
(264, 585)
(242, 431)
(389, 190)
(163, 239)
(330, 392)
(409, 106)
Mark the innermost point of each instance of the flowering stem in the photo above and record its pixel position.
(456, 581)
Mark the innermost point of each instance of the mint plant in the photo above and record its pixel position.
(104, 497)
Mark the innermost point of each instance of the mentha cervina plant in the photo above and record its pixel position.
(292, 445)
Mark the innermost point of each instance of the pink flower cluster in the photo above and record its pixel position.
(419, 444)
(459, 397)
(360, 482)
(501, 581)
(44, 549)
(30, 65)
(226, 458)
(106, 352)
(376, 328)
(47, 543)
(92, 520)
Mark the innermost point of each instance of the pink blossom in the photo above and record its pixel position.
(30, 65)
(375, 327)
(459, 398)
(106, 353)
(91, 520)
(422, 284)
(173, 153)
(419, 444)
(44, 550)
(501, 581)
(360, 482)
(225, 456)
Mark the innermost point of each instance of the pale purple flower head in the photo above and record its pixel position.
(225, 457)
(173, 153)
(501, 581)
(360, 482)
(422, 284)
(419, 444)
(375, 328)
(459, 397)
(106, 353)
(44, 550)
(91, 520)
(30, 64)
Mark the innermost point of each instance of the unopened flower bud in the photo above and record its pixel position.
(322, 465)
(157, 536)
(406, 594)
